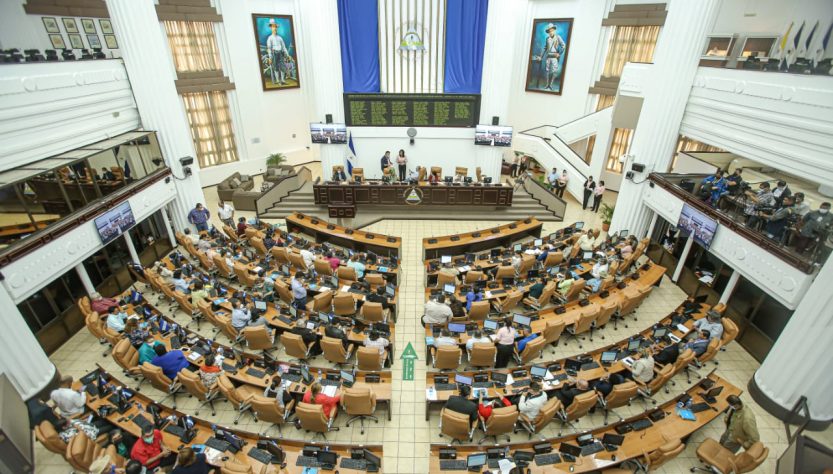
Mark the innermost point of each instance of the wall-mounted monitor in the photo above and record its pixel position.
(492, 135)
(114, 222)
(328, 133)
(699, 225)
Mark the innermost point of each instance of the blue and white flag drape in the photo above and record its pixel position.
(823, 46)
(802, 51)
(351, 155)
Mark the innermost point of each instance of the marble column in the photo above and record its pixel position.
(130, 247)
(168, 228)
(675, 64)
(730, 287)
(85, 278)
(150, 68)
(320, 63)
(24, 362)
(799, 363)
(681, 262)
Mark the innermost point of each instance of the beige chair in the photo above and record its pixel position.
(547, 413)
(374, 312)
(231, 233)
(657, 383)
(228, 329)
(422, 173)
(374, 279)
(223, 269)
(527, 262)
(204, 307)
(508, 303)
(730, 332)
(532, 351)
(346, 275)
(239, 397)
(258, 338)
(501, 422)
(504, 271)
(159, 381)
(322, 267)
(575, 291)
(483, 354)
(582, 403)
(253, 232)
(344, 304)
(720, 459)
(447, 357)
(82, 451)
(552, 332)
(322, 302)
(297, 262)
(281, 255)
(620, 395)
(711, 351)
(312, 418)
(544, 299)
(192, 384)
(285, 294)
(243, 276)
(99, 329)
(335, 352)
(668, 451)
(479, 310)
(608, 307)
(84, 305)
(368, 358)
(473, 276)
(554, 258)
(357, 172)
(46, 434)
(438, 170)
(359, 403)
(127, 357)
(444, 278)
(259, 246)
(461, 171)
(479, 173)
(682, 364)
(270, 411)
(294, 346)
(184, 303)
(233, 466)
(583, 324)
(456, 426)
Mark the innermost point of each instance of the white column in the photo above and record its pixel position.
(85, 278)
(147, 58)
(168, 228)
(653, 224)
(683, 257)
(23, 361)
(130, 247)
(320, 65)
(675, 64)
(730, 287)
(799, 362)
(502, 24)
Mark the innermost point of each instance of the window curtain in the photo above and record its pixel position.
(620, 145)
(634, 44)
(358, 25)
(604, 102)
(465, 39)
(193, 46)
(689, 144)
(211, 129)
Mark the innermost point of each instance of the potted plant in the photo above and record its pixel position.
(275, 160)
(607, 215)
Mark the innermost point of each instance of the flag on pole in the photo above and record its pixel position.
(782, 45)
(802, 53)
(823, 46)
(791, 50)
(351, 156)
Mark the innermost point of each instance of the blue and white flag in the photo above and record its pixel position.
(351, 155)
(823, 46)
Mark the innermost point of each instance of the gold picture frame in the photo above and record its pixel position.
(57, 42)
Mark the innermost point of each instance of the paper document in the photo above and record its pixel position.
(329, 390)
(194, 356)
(674, 338)
(683, 329)
(628, 361)
(430, 394)
(345, 288)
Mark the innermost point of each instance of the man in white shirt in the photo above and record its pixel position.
(599, 267)
(195, 239)
(476, 339)
(226, 213)
(437, 312)
(642, 369)
(531, 402)
(445, 339)
(277, 51)
(712, 324)
(70, 402)
(308, 257)
(116, 319)
(586, 241)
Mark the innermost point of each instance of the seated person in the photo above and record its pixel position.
(600, 266)
(642, 370)
(445, 339)
(565, 284)
(308, 335)
(241, 227)
(605, 384)
(390, 174)
(146, 350)
(484, 409)
(339, 175)
(380, 297)
(532, 401)
(180, 284)
(711, 323)
(150, 451)
(189, 462)
(461, 403)
(116, 319)
(434, 177)
(121, 442)
(627, 249)
(357, 266)
(457, 308)
(690, 306)
(517, 260)
(332, 260)
(537, 289)
(374, 339)
(133, 332)
(163, 271)
(528, 336)
(458, 177)
(450, 270)
(194, 238)
(334, 331)
(477, 338)
(545, 251)
(100, 304)
(700, 343)
(436, 311)
(669, 354)
(209, 371)
(569, 391)
(314, 396)
(68, 401)
(240, 315)
(472, 296)
(171, 362)
(596, 282)
(276, 390)
(586, 242)
(199, 293)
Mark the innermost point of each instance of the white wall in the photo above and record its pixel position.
(49, 108)
(772, 16)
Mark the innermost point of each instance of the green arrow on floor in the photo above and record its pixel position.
(409, 355)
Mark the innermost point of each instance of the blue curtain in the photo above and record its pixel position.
(465, 38)
(358, 23)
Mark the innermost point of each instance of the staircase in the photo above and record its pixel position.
(523, 206)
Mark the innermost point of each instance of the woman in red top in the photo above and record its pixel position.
(434, 177)
(334, 261)
(315, 397)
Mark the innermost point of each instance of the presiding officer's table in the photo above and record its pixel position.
(421, 194)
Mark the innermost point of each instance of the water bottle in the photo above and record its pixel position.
(319, 375)
(688, 404)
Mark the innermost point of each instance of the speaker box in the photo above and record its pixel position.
(638, 167)
(328, 118)
(495, 120)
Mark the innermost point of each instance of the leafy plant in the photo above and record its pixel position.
(276, 159)
(607, 213)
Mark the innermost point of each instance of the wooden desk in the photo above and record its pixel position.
(635, 446)
(501, 236)
(292, 448)
(357, 240)
(377, 193)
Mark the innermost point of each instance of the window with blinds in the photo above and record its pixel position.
(211, 127)
(685, 143)
(634, 44)
(193, 46)
(620, 144)
(603, 102)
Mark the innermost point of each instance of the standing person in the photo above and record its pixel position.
(513, 170)
(402, 161)
(299, 293)
(386, 161)
(199, 217)
(524, 165)
(814, 226)
(597, 195)
(505, 341)
(589, 186)
(277, 51)
(561, 184)
(741, 428)
(552, 178)
(225, 212)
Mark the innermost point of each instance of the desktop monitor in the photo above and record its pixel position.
(572, 364)
(476, 460)
(587, 256)
(448, 288)
(390, 290)
(521, 320)
(518, 247)
(623, 233)
(660, 332)
(261, 305)
(494, 253)
(456, 327)
(569, 449)
(305, 375)
(579, 225)
(612, 439)
(347, 376)
(293, 311)
(714, 392)
(490, 324)
(324, 317)
(334, 281)
(445, 259)
(634, 344)
(462, 379)
(538, 371)
(508, 281)
(327, 458)
(372, 458)
(538, 242)
(609, 356)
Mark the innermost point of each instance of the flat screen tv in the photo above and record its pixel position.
(328, 133)
(492, 135)
(696, 223)
(114, 222)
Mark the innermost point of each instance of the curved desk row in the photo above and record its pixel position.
(501, 236)
(357, 240)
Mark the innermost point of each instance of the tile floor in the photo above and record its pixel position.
(407, 436)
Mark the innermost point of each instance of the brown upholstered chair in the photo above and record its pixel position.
(532, 351)
(583, 324)
(483, 354)
(294, 346)
(473, 276)
(258, 338)
(357, 172)
(730, 332)
(658, 382)
(184, 303)
(582, 403)
(479, 310)
(239, 397)
(335, 352)
(269, 410)
(438, 170)
(159, 381)
(322, 302)
(359, 403)
(552, 332)
(547, 413)
(554, 258)
(312, 418)
(322, 267)
(81, 451)
(544, 299)
(127, 357)
(447, 357)
(668, 451)
(683, 363)
(374, 279)
(606, 311)
(368, 358)
(347, 274)
(620, 395)
(46, 434)
(374, 312)
(711, 453)
(456, 426)
(192, 383)
(500, 423)
(508, 303)
(344, 304)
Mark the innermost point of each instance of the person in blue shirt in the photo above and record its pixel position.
(180, 284)
(171, 362)
(700, 344)
(713, 187)
(542, 257)
(528, 336)
(552, 178)
(116, 318)
(595, 282)
(299, 293)
(199, 217)
(471, 297)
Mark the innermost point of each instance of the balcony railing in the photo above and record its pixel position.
(736, 222)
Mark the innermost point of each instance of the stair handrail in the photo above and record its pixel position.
(282, 189)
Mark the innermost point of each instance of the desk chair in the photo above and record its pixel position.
(295, 347)
(369, 358)
(99, 329)
(322, 267)
(547, 413)
(574, 292)
(422, 173)
(183, 301)
(204, 307)
(607, 283)
(374, 279)
(582, 404)
(258, 338)
(711, 351)
(229, 330)
(344, 304)
(312, 418)
(223, 269)
(335, 352)
(239, 397)
(527, 263)
(479, 173)
(668, 451)
(82, 451)
(482, 355)
(193, 385)
(461, 171)
(554, 258)
(683, 364)
(544, 299)
(620, 395)
(357, 172)
(127, 357)
(245, 278)
(46, 434)
(359, 403)
(205, 263)
(721, 460)
(321, 302)
(259, 246)
(447, 357)
(280, 254)
(552, 332)
(270, 411)
(629, 300)
(533, 350)
(473, 276)
(456, 426)
(504, 271)
(285, 294)
(438, 170)
(231, 233)
(730, 332)
(509, 302)
(346, 275)
(479, 310)
(658, 382)
(297, 262)
(606, 311)
(446, 278)
(502, 421)
(253, 232)
(582, 325)
(233, 466)
(84, 306)
(374, 312)
(161, 382)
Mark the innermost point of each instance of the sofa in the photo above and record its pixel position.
(235, 182)
(275, 174)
